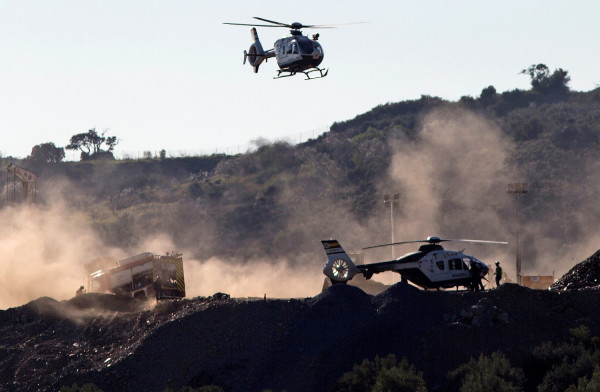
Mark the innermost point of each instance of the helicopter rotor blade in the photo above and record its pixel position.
(272, 21)
(437, 240)
(476, 241)
(250, 24)
(391, 244)
(294, 26)
(318, 27)
(332, 26)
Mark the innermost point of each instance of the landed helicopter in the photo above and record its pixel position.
(431, 267)
(296, 53)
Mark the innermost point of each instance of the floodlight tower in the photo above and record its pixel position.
(395, 202)
(517, 189)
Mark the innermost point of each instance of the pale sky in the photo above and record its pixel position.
(169, 75)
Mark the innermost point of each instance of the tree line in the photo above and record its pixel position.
(90, 144)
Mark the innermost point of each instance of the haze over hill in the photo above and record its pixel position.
(254, 220)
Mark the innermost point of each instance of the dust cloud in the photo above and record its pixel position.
(253, 278)
(452, 182)
(451, 179)
(44, 249)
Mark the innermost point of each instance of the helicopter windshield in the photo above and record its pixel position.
(306, 46)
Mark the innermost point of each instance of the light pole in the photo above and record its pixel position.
(517, 189)
(395, 202)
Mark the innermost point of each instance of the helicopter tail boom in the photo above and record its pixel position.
(256, 54)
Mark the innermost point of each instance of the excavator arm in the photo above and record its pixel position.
(27, 177)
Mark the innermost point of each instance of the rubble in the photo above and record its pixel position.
(482, 314)
(584, 275)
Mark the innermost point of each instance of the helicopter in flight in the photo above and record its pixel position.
(431, 267)
(296, 53)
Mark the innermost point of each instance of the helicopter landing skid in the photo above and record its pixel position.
(322, 73)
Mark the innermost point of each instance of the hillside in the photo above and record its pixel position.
(251, 203)
(251, 223)
(449, 162)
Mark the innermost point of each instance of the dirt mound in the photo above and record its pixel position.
(584, 275)
(294, 345)
(398, 292)
(108, 302)
(340, 294)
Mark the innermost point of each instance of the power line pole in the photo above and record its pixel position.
(517, 189)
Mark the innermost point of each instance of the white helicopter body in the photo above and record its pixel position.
(431, 267)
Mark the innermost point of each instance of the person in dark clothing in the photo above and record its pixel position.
(476, 284)
(498, 273)
(157, 285)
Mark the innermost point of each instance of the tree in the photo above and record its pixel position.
(488, 96)
(46, 153)
(543, 82)
(90, 144)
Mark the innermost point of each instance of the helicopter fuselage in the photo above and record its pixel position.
(431, 267)
(298, 53)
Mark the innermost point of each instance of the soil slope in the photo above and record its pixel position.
(297, 345)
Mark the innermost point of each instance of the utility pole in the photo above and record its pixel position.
(517, 189)
(395, 202)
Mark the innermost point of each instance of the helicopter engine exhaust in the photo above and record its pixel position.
(255, 55)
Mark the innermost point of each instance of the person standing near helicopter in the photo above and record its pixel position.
(498, 273)
(476, 284)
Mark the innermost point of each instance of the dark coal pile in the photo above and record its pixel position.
(296, 345)
(584, 275)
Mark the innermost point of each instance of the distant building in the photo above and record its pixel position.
(538, 282)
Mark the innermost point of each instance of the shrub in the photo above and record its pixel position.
(493, 373)
(567, 365)
(382, 375)
(587, 385)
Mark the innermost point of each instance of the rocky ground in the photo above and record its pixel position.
(583, 275)
(296, 345)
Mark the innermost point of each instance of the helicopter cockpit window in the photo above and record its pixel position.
(465, 263)
(455, 264)
(440, 264)
(307, 46)
(292, 47)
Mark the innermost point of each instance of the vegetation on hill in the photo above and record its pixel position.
(288, 197)
(572, 365)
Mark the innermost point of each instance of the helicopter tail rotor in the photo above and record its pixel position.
(255, 55)
(339, 267)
